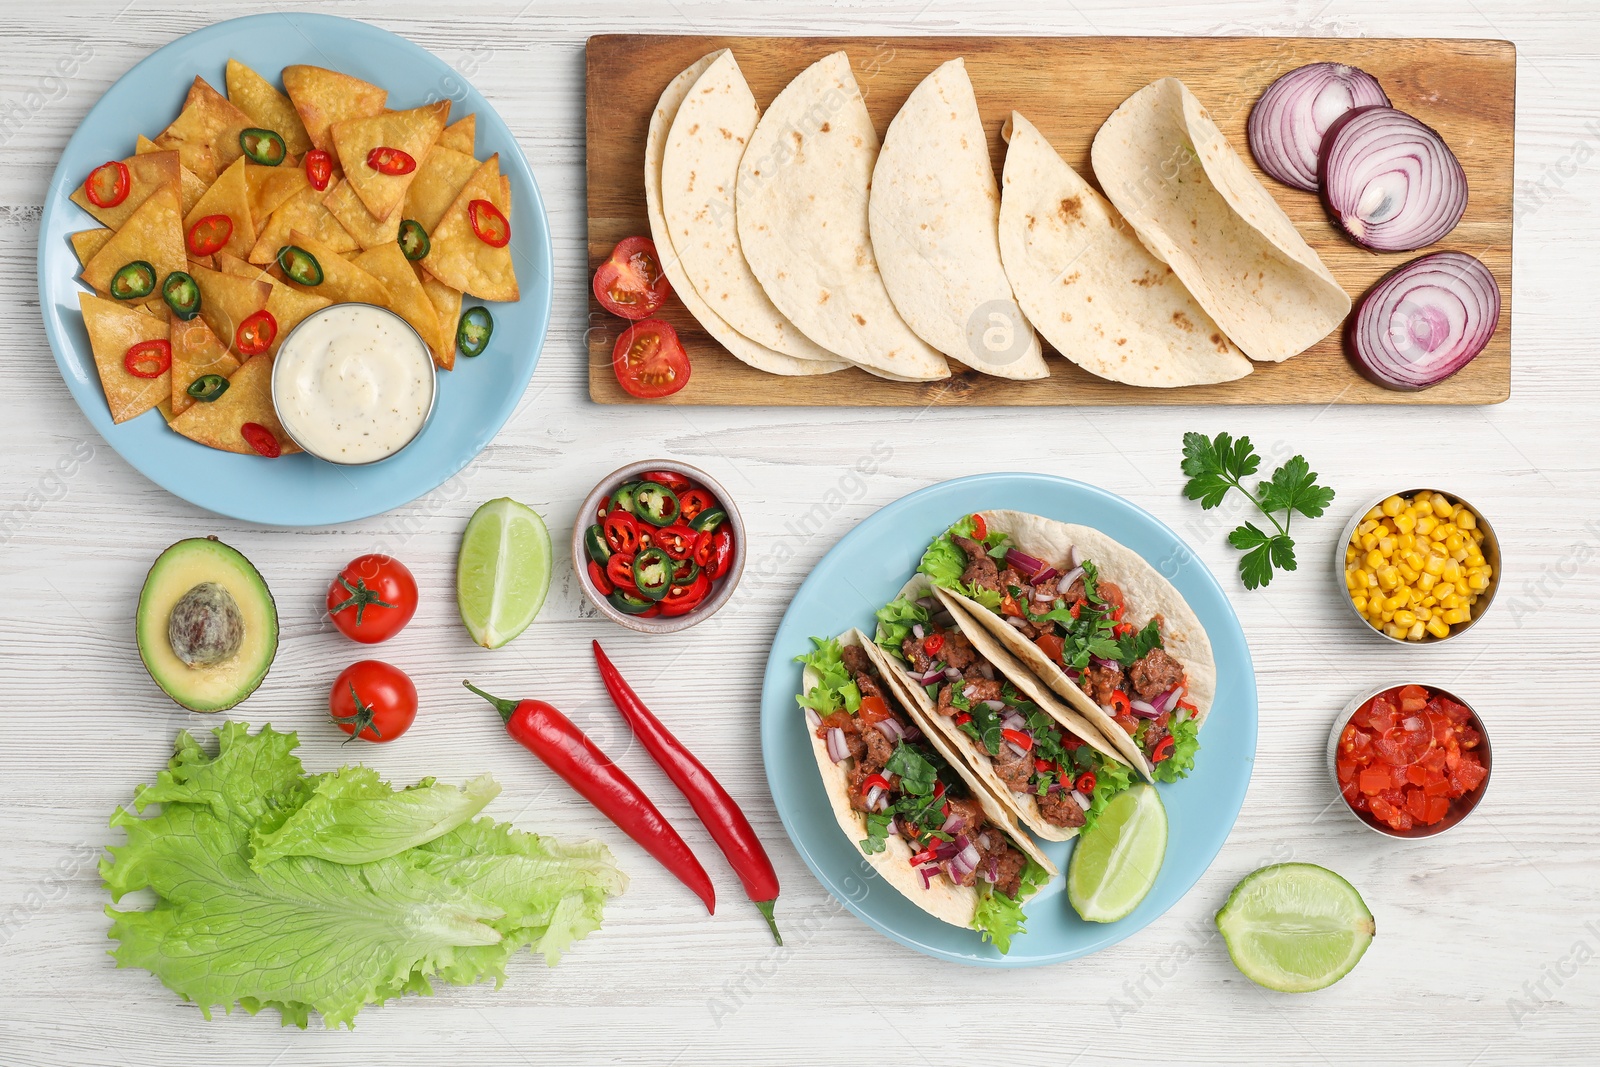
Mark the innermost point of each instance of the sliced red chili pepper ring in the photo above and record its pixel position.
(142, 356)
(677, 540)
(597, 575)
(489, 224)
(680, 600)
(721, 552)
(319, 168)
(260, 438)
(256, 333)
(209, 234)
(621, 532)
(108, 184)
(391, 161)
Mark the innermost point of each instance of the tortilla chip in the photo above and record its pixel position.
(226, 300)
(153, 233)
(406, 296)
(323, 97)
(447, 308)
(113, 329)
(303, 211)
(146, 174)
(342, 281)
(268, 109)
(414, 132)
(457, 257)
(229, 195)
(270, 187)
(248, 399)
(343, 203)
(206, 132)
(85, 243)
(195, 351)
(439, 181)
(287, 306)
(461, 136)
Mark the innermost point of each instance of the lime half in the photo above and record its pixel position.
(1115, 864)
(503, 572)
(1295, 927)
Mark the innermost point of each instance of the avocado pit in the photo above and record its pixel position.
(206, 627)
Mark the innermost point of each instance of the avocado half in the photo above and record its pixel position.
(207, 625)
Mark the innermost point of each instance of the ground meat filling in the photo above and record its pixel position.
(981, 570)
(879, 747)
(958, 651)
(1014, 770)
(1099, 679)
(1059, 809)
(1009, 868)
(1154, 673)
(848, 724)
(1154, 734)
(979, 688)
(970, 812)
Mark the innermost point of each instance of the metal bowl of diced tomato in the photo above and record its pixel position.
(1409, 760)
(658, 546)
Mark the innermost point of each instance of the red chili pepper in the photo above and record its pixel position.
(1018, 738)
(933, 644)
(682, 599)
(1119, 702)
(712, 805)
(980, 529)
(489, 224)
(619, 568)
(256, 333)
(874, 780)
(1163, 749)
(1043, 766)
(721, 552)
(1070, 743)
(927, 855)
(209, 234)
(391, 161)
(622, 532)
(260, 438)
(157, 352)
(108, 184)
(319, 168)
(567, 750)
(677, 541)
(962, 718)
(598, 577)
(1085, 783)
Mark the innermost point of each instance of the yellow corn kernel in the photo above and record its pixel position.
(1441, 505)
(1414, 560)
(1459, 555)
(1450, 571)
(1477, 582)
(1416, 632)
(1422, 612)
(1456, 615)
(1366, 526)
(1406, 542)
(1392, 506)
(1454, 542)
(1466, 520)
(1463, 589)
(1425, 581)
(1375, 559)
(1475, 557)
(1407, 573)
(1422, 506)
(1430, 601)
(1438, 628)
(1369, 542)
(1350, 579)
(1451, 599)
(1405, 522)
(1351, 553)
(1425, 525)
(1388, 578)
(1386, 545)
(1393, 631)
(1360, 602)
(1433, 565)
(1404, 619)
(1375, 513)
(1363, 577)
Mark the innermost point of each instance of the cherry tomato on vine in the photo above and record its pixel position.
(373, 701)
(373, 598)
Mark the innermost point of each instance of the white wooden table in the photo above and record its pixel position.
(1486, 940)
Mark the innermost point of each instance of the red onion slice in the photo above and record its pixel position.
(1024, 564)
(813, 720)
(1390, 181)
(1142, 709)
(838, 749)
(1288, 123)
(1424, 321)
(1068, 578)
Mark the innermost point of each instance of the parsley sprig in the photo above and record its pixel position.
(1216, 465)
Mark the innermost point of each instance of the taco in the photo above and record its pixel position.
(913, 810)
(1093, 620)
(1044, 762)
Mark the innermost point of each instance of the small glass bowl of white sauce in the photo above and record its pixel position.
(353, 384)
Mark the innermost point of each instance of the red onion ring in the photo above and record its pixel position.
(1288, 123)
(1424, 321)
(1389, 181)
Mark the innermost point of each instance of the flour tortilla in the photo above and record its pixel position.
(1147, 594)
(943, 899)
(1194, 203)
(802, 198)
(699, 169)
(1023, 806)
(1091, 288)
(934, 213)
(741, 347)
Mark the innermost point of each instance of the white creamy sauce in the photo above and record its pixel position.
(353, 383)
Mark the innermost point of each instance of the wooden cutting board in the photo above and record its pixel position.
(1067, 86)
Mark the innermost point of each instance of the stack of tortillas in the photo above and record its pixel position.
(805, 248)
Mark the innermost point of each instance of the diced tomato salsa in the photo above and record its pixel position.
(1406, 755)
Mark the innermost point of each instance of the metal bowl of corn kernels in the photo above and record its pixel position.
(1418, 567)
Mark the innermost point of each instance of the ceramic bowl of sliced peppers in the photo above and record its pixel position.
(1409, 760)
(659, 546)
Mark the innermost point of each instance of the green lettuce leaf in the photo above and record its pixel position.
(999, 918)
(894, 624)
(303, 934)
(943, 561)
(835, 688)
(1185, 745)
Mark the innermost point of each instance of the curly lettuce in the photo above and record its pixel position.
(301, 932)
(999, 918)
(835, 689)
(1185, 745)
(944, 561)
(894, 624)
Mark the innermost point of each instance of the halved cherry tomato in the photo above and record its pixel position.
(873, 709)
(597, 577)
(391, 161)
(256, 333)
(209, 234)
(1051, 645)
(676, 541)
(671, 479)
(631, 283)
(260, 438)
(682, 599)
(721, 552)
(692, 502)
(649, 360)
(619, 570)
(980, 529)
(108, 184)
(622, 532)
(142, 356)
(490, 226)
(319, 168)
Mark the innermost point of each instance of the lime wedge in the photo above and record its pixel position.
(503, 571)
(1115, 864)
(1295, 927)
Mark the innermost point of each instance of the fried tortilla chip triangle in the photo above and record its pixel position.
(323, 97)
(458, 257)
(226, 300)
(406, 296)
(342, 281)
(193, 188)
(303, 211)
(286, 305)
(413, 132)
(439, 180)
(229, 195)
(461, 136)
(146, 174)
(343, 203)
(268, 109)
(113, 329)
(195, 351)
(270, 187)
(206, 132)
(248, 399)
(447, 308)
(153, 234)
(85, 243)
